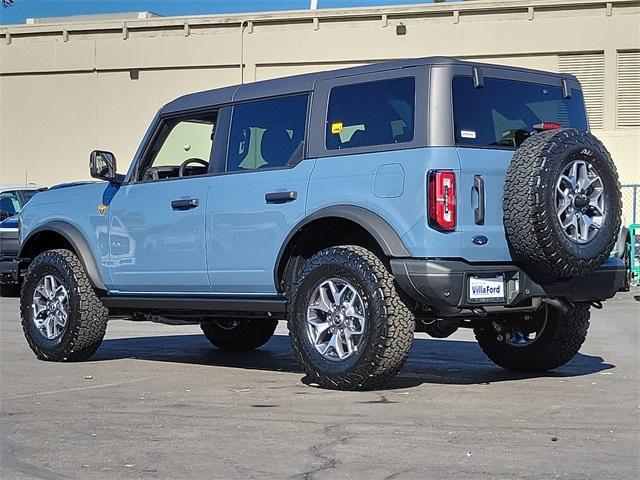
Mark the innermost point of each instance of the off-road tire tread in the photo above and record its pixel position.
(558, 344)
(88, 332)
(394, 330)
(528, 221)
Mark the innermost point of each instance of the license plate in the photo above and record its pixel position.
(486, 288)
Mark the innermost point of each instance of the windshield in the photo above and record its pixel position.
(505, 112)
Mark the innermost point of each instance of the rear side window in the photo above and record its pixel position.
(368, 114)
(267, 133)
(504, 112)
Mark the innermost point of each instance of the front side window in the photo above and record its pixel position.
(182, 148)
(373, 113)
(504, 113)
(267, 133)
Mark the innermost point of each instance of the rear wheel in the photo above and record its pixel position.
(348, 326)
(537, 343)
(240, 334)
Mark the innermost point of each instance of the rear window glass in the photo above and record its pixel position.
(504, 112)
(373, 113)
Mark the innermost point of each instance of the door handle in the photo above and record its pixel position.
(478, 186)
(185, 204)
(280, 197)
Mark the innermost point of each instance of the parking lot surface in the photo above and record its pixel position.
(158, 401)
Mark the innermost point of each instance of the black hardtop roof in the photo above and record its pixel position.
(306, 82)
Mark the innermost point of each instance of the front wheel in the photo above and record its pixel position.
(536, 343)
(348, 327)
(62, 317)
(239, 334)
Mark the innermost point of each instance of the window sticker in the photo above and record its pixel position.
(336, 127)
(467, 133)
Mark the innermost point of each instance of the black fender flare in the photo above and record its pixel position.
(79, 244)
(383, 233)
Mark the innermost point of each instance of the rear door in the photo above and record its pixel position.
(260, 194)
(490, 122)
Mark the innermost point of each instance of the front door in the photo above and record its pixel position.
(157, 221)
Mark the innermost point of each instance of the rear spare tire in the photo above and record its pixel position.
(561, 204)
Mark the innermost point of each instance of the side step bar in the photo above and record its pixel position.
(272, 304)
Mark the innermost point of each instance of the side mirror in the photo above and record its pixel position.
(102, 165)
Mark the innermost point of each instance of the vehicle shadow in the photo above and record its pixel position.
(431, 361)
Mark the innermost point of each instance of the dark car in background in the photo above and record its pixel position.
(12, 199)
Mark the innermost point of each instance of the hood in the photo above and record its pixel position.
(71, 184)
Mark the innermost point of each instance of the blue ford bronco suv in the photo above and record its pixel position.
(360, 205)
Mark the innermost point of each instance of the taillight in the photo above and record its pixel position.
(442, 199)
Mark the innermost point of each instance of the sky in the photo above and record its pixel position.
(23, 9)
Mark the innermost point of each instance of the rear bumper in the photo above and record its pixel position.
(444, 284)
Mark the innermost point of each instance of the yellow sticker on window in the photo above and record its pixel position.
(336, 127)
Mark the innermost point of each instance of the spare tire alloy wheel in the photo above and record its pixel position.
(580, 201)
(562, 204)
(50, 308)
(336, 319)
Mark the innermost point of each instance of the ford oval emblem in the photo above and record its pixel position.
(480, 240)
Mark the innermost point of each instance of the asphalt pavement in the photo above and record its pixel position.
(158, 402)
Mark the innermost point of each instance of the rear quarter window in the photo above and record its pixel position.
(372, 113)
(504, 112)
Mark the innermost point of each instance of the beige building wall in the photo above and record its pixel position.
(67, 88)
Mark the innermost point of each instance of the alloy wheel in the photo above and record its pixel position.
(50, 307)
(336, 319)
(580, 206)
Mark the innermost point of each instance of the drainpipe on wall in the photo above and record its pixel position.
(243, 24)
